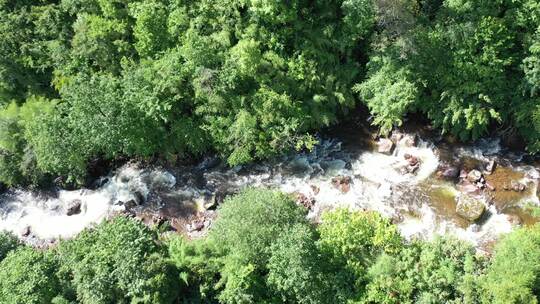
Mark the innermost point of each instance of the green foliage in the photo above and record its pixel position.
(141, 78)
(17, 157)
(199, 264)
(442, 271)
(461, 63)
(514, 273)
(28, 276)
(250, 222)
(247, 226)
(297, 268)
(118, 262)
(388, 93)
(356, 239)
(8, 243)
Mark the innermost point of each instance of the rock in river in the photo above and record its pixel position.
(447, 171)
(74, 207)
(343, 183)
(474, 176)
(385, 146)
(469, 207)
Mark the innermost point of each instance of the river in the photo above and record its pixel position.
(416, 185)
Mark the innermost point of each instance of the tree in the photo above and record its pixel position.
(357, 238)
(119, 261)
(28, 276)
(514, 273)
(250, 222)
(8, 243)
(441, 271)
(298, 271)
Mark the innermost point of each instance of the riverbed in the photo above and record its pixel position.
(417, 184)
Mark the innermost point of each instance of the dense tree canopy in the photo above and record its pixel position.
(250, 79)
(466, 65)
(140, 78)
(269, 253)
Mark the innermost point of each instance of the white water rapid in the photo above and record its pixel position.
(421, 204)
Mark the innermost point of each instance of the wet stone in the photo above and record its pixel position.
(447, 171)
(408, 140)
(514, 219)
(490, 167)
(474, 176)
(26, 231)
(385, 146)
(73, 208)
(304, 200)
(342, 183)
(517, 186)
(130, 204)
(469, 207)
(396, 137)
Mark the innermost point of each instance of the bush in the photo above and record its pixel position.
(514, 273)
(119, 261)
(298, 271)
(441, 271)
(28, 276)
(8, 242)
(251, 221)
(357, 238)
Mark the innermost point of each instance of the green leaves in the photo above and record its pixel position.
(118, 262)
(28, 276)
(514, 272)
(458, 64)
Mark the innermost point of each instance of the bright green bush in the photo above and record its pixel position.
(28, 276)
(357, 238)
(297, 270)
(248, 223)
(119, 261)
(514, 273)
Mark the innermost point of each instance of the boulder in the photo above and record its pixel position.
(74, 207)
(130, 204)
(517, 186)
(412, 160)
(408, 140)
(304, 200)
(315, 189)
(343, 183)
(467, 187)
(490, 167)
(447, 171)
(385, 146)
(474, 176)
(413, 164)
(26, 231)
(197, 225)
(396, 137)
(475, 228)
(514, 219)
(470, 208)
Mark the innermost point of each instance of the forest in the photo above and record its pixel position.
(263, 250)
(170, 81)
(101, 79)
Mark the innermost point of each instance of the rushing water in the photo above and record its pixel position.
(421, 204)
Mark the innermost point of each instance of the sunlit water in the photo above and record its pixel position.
(421, 204)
